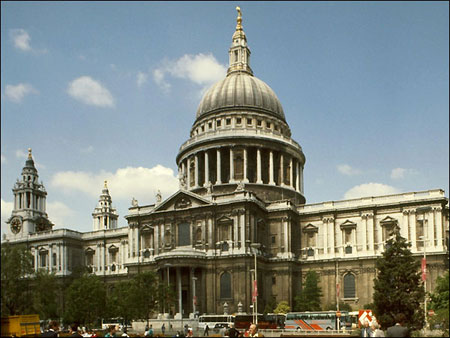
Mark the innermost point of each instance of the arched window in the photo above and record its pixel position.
(349, 286)
(225, 285)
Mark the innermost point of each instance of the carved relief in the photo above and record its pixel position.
(183, 203)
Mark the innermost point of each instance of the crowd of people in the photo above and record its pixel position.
(368, 330)
(397, 330)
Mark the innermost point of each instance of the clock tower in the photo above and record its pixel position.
(29, 214)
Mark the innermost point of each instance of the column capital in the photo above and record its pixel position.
(327, 219)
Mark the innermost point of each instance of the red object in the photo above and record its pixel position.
(195, 300)
(338, 288)
(424, 269)
(431, 312)
(338, 314)
(255, 290)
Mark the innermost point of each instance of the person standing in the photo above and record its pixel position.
(398, 330)
(74, 331)
(376, 332)
(163, 328)
(206, 331)
(53, 330)
(232, 332)
(366, 331)
(253, 331)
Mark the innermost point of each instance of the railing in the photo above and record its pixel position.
(219, 133)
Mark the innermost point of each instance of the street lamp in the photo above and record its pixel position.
(423, 210)
(255, 247)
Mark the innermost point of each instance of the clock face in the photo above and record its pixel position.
(16, 225)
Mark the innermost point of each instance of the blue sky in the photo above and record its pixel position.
(109, 90)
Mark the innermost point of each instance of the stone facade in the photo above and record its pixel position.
(241, 199)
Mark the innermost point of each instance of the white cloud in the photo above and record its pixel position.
(370, 189)
(4, 160)
(60, 214)
(345, 169)
(400, 173)
(17, 93)
(21, 39)
(87, 150)
(124, 184)
(141, 78)
(7, 208)
(91, 92)
(202, 69)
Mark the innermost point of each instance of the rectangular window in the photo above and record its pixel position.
(238, 120)
(259, 123)
(218, 123)
(274, 280)
(249, 122)
(203, 127)
(210, 125)
(228, 122)
(184, 234)
(273, 239)
(269, 125)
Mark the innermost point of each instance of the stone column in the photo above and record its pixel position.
(431, 232)
(219, 173)
(281, 170)
(325, 236)
(231, 165)
(242, 223)
(99, 256)
(297, 178)
(188, 178)
(331, 231)
(364, 233)
(50, 259)
(130, 240)
(271, 181)
(36, 259)
(412, 222)
(58, 257)
(291, 173)
(197, 169)
(245, 166)
(210, 233)
(258, 166)
(439, 230)
(179, 289)
(302, 182)
(206, 169)
(370, 229)
(404, 226)
(156, 239)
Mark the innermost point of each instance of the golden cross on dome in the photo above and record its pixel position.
(29, 153)
(106, 184)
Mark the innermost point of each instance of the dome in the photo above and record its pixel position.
(240, 90)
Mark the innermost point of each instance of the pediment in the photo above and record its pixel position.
(112, 247)
(147, 228)
(224, 219)
(182, 200)
(387, 221)
(310, 228)
(89, 251)
(348, 225)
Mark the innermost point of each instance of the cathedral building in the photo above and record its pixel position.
(239, 212)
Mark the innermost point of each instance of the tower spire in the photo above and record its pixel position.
(239, 53)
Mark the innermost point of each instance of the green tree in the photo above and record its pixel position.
(440, 302)
(282, 308)
(270, 306)
(85, 300)
(45, 295)
(122, 300)
(309, 298)
(147, 293)
(17, 265)
(342, 307)
(398, 287)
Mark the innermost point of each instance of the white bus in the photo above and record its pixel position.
(214, 321)
(317, 321)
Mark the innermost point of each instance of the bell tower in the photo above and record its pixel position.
(29, 213)
(239, 52)
(104, 215)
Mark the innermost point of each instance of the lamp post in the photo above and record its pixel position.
(423, 210)
(255, 247)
